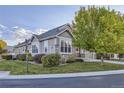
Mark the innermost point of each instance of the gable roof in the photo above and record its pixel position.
(49, 33)
(53, 32)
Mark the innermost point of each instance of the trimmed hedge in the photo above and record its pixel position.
(22, 57)
(7, 57)
(37, 58)
(51, 60)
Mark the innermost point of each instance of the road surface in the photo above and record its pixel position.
(108, 81)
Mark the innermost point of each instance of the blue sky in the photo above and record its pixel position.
(19, 22)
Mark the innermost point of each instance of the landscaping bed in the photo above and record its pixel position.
(19, 67)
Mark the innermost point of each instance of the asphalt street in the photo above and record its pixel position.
(108, 81)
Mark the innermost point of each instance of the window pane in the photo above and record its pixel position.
(62, 46)
(69, 48)
(34, 49)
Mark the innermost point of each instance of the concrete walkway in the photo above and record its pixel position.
(107, 61)
(4, 73)
(97, 73)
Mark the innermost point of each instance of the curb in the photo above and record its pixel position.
(66, 75)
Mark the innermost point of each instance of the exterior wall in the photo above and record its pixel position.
(51, 45)
(66, 37)
(20, 50)
(48, 46)
(42, 47)
(66, 34)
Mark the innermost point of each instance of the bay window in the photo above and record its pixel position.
(65, 46)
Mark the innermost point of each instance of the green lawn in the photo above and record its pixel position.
(18, 67)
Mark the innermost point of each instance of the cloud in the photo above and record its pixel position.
(21, 34)
(2, 26)
(16, 34)
(40, 31)
(15, 27)
(1, 34)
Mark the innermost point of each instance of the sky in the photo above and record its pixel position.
(18, 23)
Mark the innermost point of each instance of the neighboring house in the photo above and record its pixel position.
(9, 49)
(57, 40)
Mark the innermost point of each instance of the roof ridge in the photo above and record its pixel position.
(55, 28)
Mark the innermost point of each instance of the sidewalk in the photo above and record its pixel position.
(107, 61)
(97, 73)
(4, 73)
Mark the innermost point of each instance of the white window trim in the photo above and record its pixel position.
(37, 49)
(66, 40)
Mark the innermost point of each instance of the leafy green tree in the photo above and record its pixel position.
(99, 29)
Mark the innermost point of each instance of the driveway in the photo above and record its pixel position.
(108, 81)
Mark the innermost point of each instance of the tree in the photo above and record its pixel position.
(2, 45)
(87, 27)
(112, 37)
(99, 29)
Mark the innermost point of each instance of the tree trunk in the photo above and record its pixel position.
(92, 55)
(79, 52)
(102, 59)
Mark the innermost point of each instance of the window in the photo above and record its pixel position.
(46, 46)
(65, 46)
(69, 48)
(23, 48)
(45, 49)
(62, 46)
(34, 49)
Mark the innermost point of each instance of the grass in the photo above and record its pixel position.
(18, 67)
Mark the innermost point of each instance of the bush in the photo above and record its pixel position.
(22, 57)
(7, 57)
(37, 58)
(51, 60)
(30, 58)
(71, 59)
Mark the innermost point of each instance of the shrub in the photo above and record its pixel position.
(22, 57)
(30, 58)
(51, 60)
(7, 57)
(37, 58)
(71, 59)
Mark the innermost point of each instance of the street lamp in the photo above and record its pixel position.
(26, 51)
